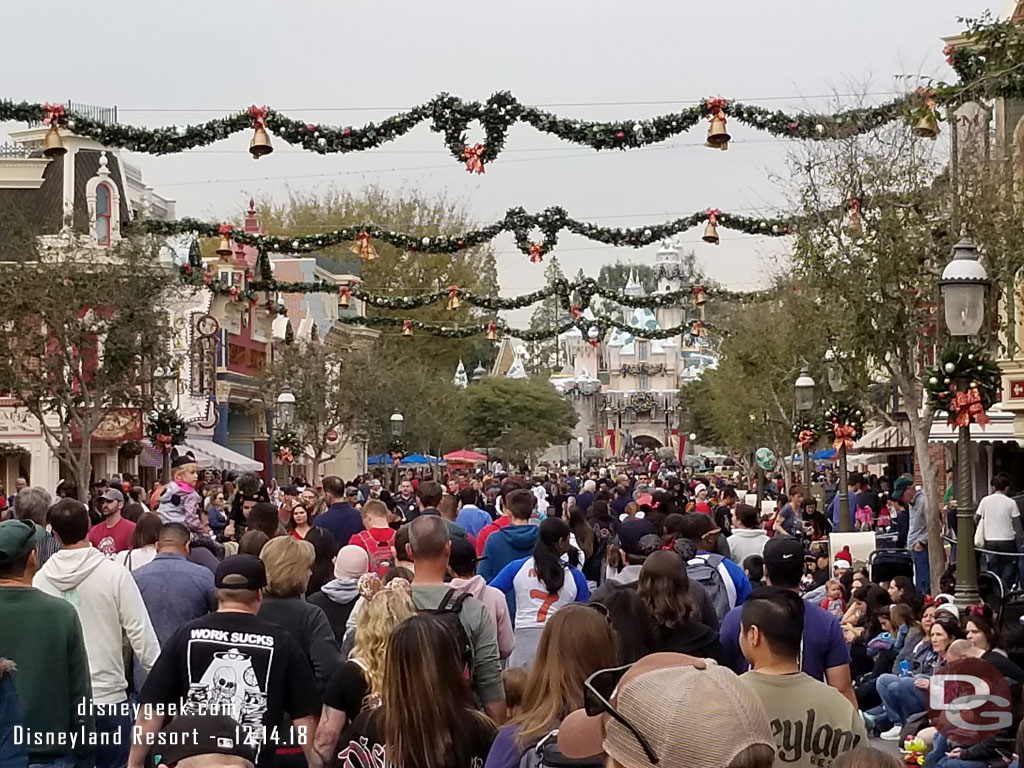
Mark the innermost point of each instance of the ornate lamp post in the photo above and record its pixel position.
(397, 430)
(804, 389)
(165, 390)
(963, 285)
(836, 384)
(579, 442)
(286, 406)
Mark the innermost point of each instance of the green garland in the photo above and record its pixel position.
(963, 363)
(642, 402)
(988, 64)
(839, 415)
(521, 224)
(647, 369)
(286, 437)
(450, 116)
(166, 428)
(602, 324)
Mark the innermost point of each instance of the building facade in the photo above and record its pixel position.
(626, 388)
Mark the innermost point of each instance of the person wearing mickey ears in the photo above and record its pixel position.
(233, 662)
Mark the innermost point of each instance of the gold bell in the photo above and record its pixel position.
(224, 249)
(492, 332)
(407, 330)
(260, 144)
(345, 299)
(711, 233)
(718, 137)
(52, 145)
(453, 301)
(927, 127)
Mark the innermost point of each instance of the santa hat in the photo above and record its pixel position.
(845, 555)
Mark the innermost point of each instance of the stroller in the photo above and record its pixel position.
(887, 564)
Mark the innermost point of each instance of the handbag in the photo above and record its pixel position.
(979, 533)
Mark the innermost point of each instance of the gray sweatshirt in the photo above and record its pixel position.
(918, 522)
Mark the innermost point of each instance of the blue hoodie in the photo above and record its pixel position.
(505, 545)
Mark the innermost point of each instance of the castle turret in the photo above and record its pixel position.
(668, 271)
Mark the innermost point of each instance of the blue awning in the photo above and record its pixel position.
(412, 458)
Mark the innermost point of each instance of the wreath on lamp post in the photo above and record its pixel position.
(166, 428)
(965, 384)
(806, 432)
(642, 402)
(843, 423)
(287, 445)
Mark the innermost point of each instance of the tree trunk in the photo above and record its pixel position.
(85, 466)
(920, 427)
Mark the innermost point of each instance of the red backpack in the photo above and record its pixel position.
(381, 557)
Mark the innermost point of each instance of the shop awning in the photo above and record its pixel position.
(211, 455)
(999, 430)
(887, 439)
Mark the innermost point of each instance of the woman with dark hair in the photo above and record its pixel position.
(982, 631)
(902, 590)
(585, 540)
(144, 538)
(664, 586)
(537, 587)
(908, 695)
(300, 521)
(437, 726)
(632, 621)
(324, 550)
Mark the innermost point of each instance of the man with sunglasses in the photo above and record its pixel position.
(648, 714)
(812, 722)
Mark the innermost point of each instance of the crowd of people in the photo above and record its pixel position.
(479, 622)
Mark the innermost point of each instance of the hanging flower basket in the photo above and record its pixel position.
(965, 384)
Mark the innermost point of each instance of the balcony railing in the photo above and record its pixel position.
(8, 150)
(106, 115)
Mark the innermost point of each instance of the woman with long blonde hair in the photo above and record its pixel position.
(576, 642)
(427, 717)
(359, 681)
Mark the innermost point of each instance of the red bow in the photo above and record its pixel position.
(407, 325)
(806, 439)
(712, 214)
(163, 443)
(948, 53)
(574, 311)
(976, 610)
(536, 253)
(285, 456)
(54, 114)
(929, 97)
(346, 294)
(474, 158)
(844, 436)
(928, 600)
(226, 229)
(258, 115)
(967, 407)
(855, 205)
(716, 106)
(234, 291)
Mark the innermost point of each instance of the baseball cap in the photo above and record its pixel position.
(631, 532)
(112, 494)
(352, 491)
(662, 696)
(194, 735)
(842, 565)
(17, 539)
(290, 490)
(780, 551)
(901, 485)
(241, 572)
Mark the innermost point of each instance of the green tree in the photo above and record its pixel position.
(397, 272)
(81, 335)
(544, 355)
(876, 272)
(519, 416)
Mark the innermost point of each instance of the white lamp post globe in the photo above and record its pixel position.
(286, 406)
(963, 284)
(804, 388)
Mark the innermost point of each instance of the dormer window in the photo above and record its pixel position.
(103, 213)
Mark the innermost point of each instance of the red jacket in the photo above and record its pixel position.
(487, 530)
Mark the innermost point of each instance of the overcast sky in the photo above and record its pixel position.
(348, 62)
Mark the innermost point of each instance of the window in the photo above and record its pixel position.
(103, 213)
(641, 350)
(641, 380)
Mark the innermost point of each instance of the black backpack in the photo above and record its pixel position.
(447, 612)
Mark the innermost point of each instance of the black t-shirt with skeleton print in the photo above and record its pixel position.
(239, 665)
